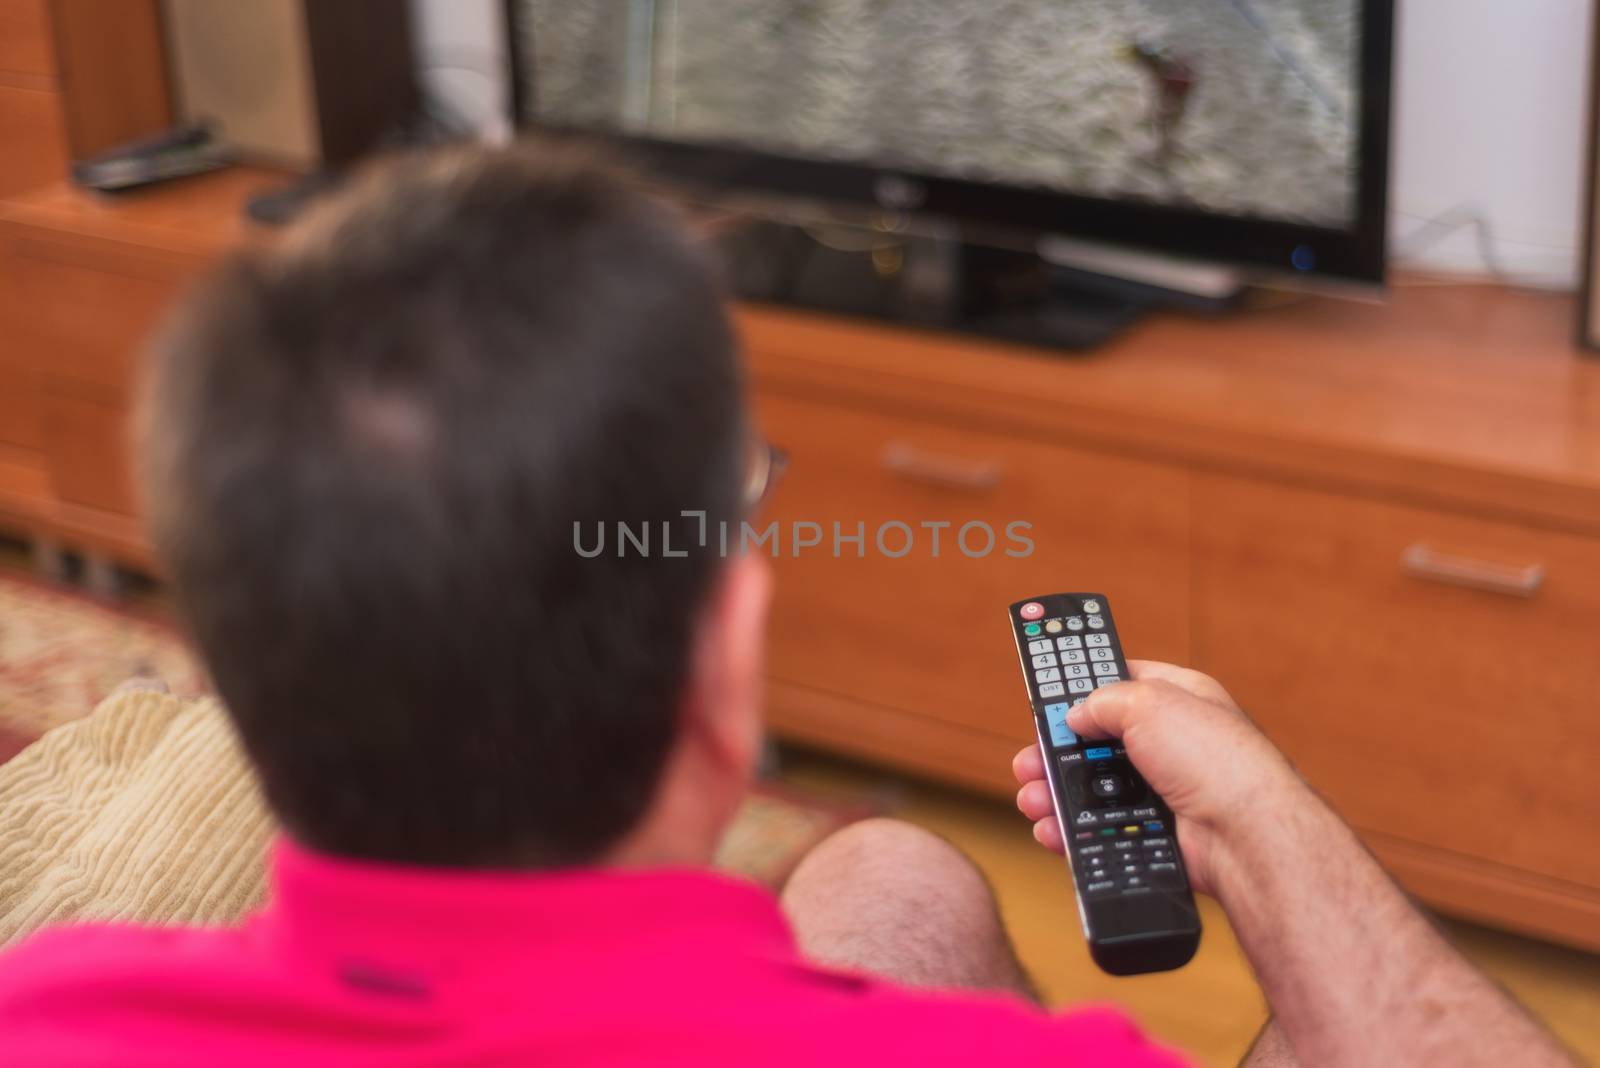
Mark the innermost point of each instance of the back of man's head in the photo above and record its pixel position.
(367, 445)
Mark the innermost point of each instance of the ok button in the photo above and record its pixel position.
(1106, 784)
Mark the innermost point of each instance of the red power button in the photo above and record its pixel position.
(1032, 610)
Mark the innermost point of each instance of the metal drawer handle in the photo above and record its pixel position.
(1420, 561)
(913, 463)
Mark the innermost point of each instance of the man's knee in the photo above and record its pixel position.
(887, 897)
(871, 856)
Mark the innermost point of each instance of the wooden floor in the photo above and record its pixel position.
(1212, 1008)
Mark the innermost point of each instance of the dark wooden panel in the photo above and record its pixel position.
(25, 53)
(112, 67)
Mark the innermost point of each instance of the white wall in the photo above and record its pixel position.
(1490, 114)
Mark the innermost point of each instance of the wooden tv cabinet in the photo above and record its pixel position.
(1379, 526)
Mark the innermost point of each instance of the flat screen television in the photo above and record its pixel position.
(1248, 132)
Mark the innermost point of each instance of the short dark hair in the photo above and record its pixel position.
(368, 442)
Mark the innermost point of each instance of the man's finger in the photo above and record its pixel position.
(1047, 833)
(1033, 800)
(1028, 765)
(1201, 685)
(1105, 713)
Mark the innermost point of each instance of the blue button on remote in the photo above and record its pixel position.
(1099, 753)
(1060, 734)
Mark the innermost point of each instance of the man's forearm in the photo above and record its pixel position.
(1353, 971)
(1271, 1049)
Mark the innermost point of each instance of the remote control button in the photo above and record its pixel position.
(1053, 627)
(1158, 843)
(1060, 734)
(1107, 680)
(1074, 656)
(1099, 752)
(1095, 641)
(1051, 689)
(1047, 675)
(1097, 622)
(1132, 869)
(1092, 607)
(1154, 826)
(1070, 758)
(1075, 623)
(1169, 877)
(1081, 835)
(1088, 818)
(1107, 784)
(1100, 886)
(1081, 685)
(1031, 630)
(1092, 850)
(1133, 881)
(1040, 646)
(1164, 867)
(1071, 641)
(1146, 813)
(1107, 832)
(1132, 828)
(1124, 845)
(1103, 668)
(1098, 873)
(1076, 701)
(1077, 671)
(1032, 610)
(1099, 653)
(1045, 660)
(1115, 815)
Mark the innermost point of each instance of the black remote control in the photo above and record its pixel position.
(1134, 901)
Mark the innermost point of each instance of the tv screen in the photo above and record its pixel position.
(1247, 111)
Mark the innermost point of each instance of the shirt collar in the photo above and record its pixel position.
(424, 930)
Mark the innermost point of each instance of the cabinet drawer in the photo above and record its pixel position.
(19, 406)
(1437, 676)
(928, 635)
(86, 442)
(79, 321)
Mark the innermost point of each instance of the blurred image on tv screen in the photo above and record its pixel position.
(1237, 107)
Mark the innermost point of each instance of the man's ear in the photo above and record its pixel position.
(722, 710)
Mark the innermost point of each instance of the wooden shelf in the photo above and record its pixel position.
(1471, 397)
(191, 218)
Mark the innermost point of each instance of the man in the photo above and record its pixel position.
(503, 766)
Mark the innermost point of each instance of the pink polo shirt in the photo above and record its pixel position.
(363, 964)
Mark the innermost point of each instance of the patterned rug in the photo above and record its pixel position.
(61, 653)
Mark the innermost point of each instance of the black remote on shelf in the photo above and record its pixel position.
(1134, 901)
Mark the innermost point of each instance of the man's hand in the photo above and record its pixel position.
(1354, 973)
(1193, 746)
